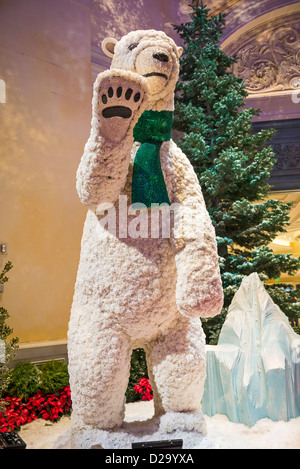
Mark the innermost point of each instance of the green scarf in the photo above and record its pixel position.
(148, 185)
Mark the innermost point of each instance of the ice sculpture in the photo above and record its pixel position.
(254, 371)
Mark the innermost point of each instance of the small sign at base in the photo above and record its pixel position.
(161, 444)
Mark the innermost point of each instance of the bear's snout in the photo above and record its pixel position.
(161, 57)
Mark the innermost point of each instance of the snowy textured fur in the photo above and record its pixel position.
(141, 292)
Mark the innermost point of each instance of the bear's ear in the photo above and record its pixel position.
(108, 46)
(179, 50)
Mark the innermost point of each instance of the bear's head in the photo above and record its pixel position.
(153, 55)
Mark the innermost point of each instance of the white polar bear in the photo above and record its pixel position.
(140, 291)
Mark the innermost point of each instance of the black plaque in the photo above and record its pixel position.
(161, 444)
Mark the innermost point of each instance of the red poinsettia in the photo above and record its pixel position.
(46, 406)
(144, 387)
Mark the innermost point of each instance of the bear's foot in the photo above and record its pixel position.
(120, 100)
(183, 421)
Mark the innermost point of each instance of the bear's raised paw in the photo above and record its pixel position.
(121, 101)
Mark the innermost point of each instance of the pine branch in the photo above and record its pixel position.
(3, 278)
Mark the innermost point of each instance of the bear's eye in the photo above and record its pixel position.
(132, 46)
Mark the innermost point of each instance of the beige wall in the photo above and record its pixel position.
(46, 65)
(45, 61)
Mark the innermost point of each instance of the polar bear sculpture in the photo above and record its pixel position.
(136, 286)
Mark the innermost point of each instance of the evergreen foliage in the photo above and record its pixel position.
(232, 163)
(27, 379)
(11, 344)
(24, 381)
(138, 370)
(54, 376)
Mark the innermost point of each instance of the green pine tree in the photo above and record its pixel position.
(11, 344)
(232, 162)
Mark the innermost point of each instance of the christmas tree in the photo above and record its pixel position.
(232, 163)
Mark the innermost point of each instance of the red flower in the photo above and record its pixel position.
(48, 407)
(144, 387)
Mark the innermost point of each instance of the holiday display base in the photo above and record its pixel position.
(133, 433)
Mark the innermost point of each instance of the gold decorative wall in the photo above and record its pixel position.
(45, 121)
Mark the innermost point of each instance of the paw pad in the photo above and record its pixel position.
(119, 99)
(116, 110)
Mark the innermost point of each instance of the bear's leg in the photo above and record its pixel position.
(177, 364)
(99, 365)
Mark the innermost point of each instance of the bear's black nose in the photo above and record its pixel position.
(162, 57)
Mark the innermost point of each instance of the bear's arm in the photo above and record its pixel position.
(102, 171)
(199, 290)
(104, 165)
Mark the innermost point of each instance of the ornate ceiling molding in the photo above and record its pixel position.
(268, 55)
